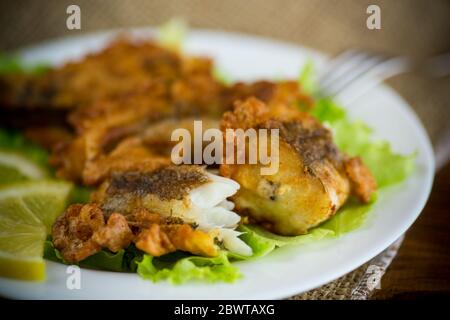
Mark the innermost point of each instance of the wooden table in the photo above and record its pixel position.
(422, 266)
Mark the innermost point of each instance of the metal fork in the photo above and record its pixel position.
(342, 76)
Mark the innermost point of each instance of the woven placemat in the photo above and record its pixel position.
(358, 284)
(414, 28)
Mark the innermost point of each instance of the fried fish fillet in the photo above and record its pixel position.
(313, 181)
(186, 192)
(122, 67)
(108, 94)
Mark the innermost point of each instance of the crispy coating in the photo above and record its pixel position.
(115, 235)
(167, 183)
(73, 232)
(160, 235)
(120, 68)
(185, 238)
(363, 183)
(158, 240)
(285, 93)
(154, 241)
(163, 191)
(109, 96)
(129, 155)
(153, 84)
(143, 219)
(81, 232)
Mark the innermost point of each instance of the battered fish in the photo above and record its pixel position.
(81, 232)
(186, 192)
(313, 181)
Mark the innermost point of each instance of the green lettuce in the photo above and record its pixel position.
(222, 77)
(80, 194)
(179, 267)
(263, 242)
(172, 34)
(307, 78)
(387, 166)
(13, 65)
(14, 141)
(355, 139)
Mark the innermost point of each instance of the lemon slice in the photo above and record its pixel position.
(27, 212)
(15, 167)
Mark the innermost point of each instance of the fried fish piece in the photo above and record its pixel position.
(170, 87)
(108, 95)
(311, 183)
(186, 192)
(122, 67)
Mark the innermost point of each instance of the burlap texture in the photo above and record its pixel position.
(416, 28)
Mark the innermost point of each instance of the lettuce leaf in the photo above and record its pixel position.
(355, 139)
(11, 65)
(80, 194)
(350, 217)
(15, 141)
(221, 76)
(179, 267)
(307, 78)
(387, 166)
(263, 242)
(171, 35)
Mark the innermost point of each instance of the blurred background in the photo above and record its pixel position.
(419, 29)
(415, 28)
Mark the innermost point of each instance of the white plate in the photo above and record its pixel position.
(289, 270)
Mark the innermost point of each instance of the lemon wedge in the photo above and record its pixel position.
(27, 213)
